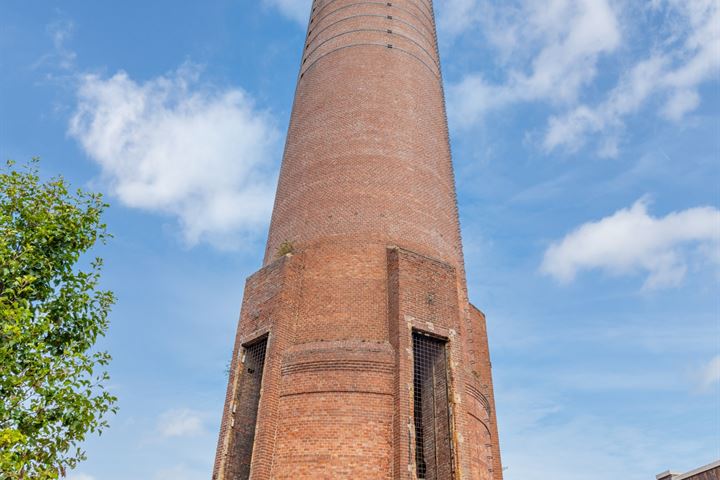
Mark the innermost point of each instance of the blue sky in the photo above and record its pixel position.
(586, 140)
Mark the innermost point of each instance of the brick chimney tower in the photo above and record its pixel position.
(358, 355)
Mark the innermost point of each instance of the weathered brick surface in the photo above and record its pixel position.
(366, 196)
(713, 474)
(481, 397)
(707, 472)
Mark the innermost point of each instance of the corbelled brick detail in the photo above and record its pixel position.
(366, 197)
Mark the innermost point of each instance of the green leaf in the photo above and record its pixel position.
(51, 314)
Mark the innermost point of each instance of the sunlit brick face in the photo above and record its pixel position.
(366, 207)
(367, 152)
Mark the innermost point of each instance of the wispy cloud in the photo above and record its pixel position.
(549, 52)
(604, 379)
(296, 10)
(61, 57)
(565, 449)
(457, 16)
(543, 438)
(176, 146)
(180, 422)
(631, 241)
(675, 74)
(570, 38)
(710, 374)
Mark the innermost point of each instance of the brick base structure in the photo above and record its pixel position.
(337, 388)
(366, 204)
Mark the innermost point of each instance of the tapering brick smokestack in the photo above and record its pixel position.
(358, 355)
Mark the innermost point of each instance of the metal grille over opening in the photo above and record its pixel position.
(246, 407)
(433, 449)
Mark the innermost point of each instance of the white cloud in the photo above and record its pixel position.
(549, 52)
(631, 240)
(180, 422)
(680, 103)
(174, 146)
(571, 128)
(456, 16)
(297, 10)
(472, 97)
(711, 373)
(562, 39)
(676, 73)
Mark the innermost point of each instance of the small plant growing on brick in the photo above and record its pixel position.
(285, 248)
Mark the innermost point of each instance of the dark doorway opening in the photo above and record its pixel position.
(246, 406)
(433, 447)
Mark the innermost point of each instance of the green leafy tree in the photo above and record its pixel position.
(52, 311)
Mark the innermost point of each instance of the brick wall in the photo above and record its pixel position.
(367, 152)
(707, 472)
(713, 474)
(366, 197)
(336, 398)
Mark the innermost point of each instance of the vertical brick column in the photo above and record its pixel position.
(268, 311)
(367, 153)
(366, 202)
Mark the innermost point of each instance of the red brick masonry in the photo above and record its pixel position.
(366, 197)
(707, 472)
